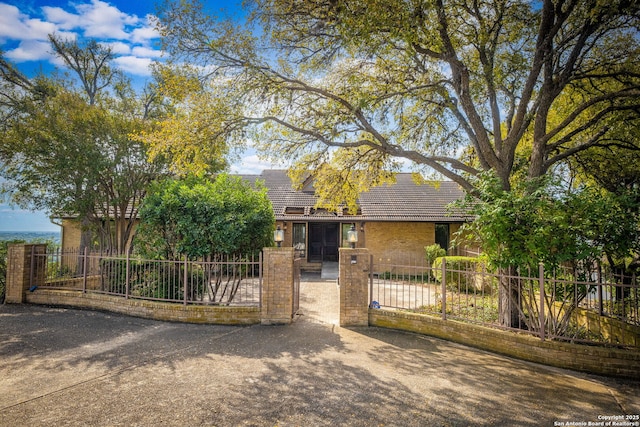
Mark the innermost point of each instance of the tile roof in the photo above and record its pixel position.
(403, 201)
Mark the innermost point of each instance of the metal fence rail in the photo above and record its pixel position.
(586, 306)
(216, 280)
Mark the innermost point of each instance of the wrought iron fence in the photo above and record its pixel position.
(215, 280)
(578, 305)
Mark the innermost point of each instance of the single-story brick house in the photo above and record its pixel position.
(394, 221)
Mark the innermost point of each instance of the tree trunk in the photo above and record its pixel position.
(509, 301)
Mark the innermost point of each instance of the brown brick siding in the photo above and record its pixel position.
(19, 270)
(70, 234)
(277, 286)
(147, 309)
(354, 286)
(395, 241)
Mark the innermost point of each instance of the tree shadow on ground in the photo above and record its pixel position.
(87, 367)
(497, 389)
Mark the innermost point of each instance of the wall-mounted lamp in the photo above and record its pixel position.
(352, 236)
(278, 236)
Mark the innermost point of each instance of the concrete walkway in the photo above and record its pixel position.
(330, 271)
(319, 299)
(72, 367)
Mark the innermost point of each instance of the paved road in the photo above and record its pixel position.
(72, 367)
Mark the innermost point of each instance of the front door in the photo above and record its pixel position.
(323, 241)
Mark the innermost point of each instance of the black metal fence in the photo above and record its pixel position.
(215, 280)
(585, 305)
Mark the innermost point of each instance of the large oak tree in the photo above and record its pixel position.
(458, 87)
(349, 89)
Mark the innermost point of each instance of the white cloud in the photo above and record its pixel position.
(101, 20)
(134, 65)
(119, 48)
(30, 50)
(15, 25)
(146, 52)
(253, 165)
(63, 19)
(24, 37)
(144, 34)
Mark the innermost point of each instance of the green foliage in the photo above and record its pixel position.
(537, 222)
(114, 273)
(197, 218)
(434, 251)
(479, 309)
(149, 279)
(66, 144)
(346, 88)
(460, 273)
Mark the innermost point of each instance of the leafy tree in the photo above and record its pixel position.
(612, 175)
(525, 226)
(66, 148)
(348, 88)
(455, 87)
(199, 218)
(220, 221)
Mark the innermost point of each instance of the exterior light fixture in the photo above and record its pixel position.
(352, 236)
(278, 236)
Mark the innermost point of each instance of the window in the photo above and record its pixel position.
(442, 236)
(300, 240)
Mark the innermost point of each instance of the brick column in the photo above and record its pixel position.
(354, 286)
(19, 270)
(277, 286)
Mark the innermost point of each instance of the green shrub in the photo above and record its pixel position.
(434, 251)
(461, 273)
(198, 217)
(149, 279)
(113, 271)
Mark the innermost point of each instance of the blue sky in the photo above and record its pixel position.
(125, 25)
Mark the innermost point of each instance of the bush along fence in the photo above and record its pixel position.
(581, 305)
(225, 280)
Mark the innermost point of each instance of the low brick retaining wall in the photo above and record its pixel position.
(584, 358)
(221, 315)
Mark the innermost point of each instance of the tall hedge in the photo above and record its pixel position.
(198, 217)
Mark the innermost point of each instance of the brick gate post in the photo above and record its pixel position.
(355, 265)
(21, 269)
(277, 286)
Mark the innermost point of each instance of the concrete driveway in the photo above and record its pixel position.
(63, 367)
